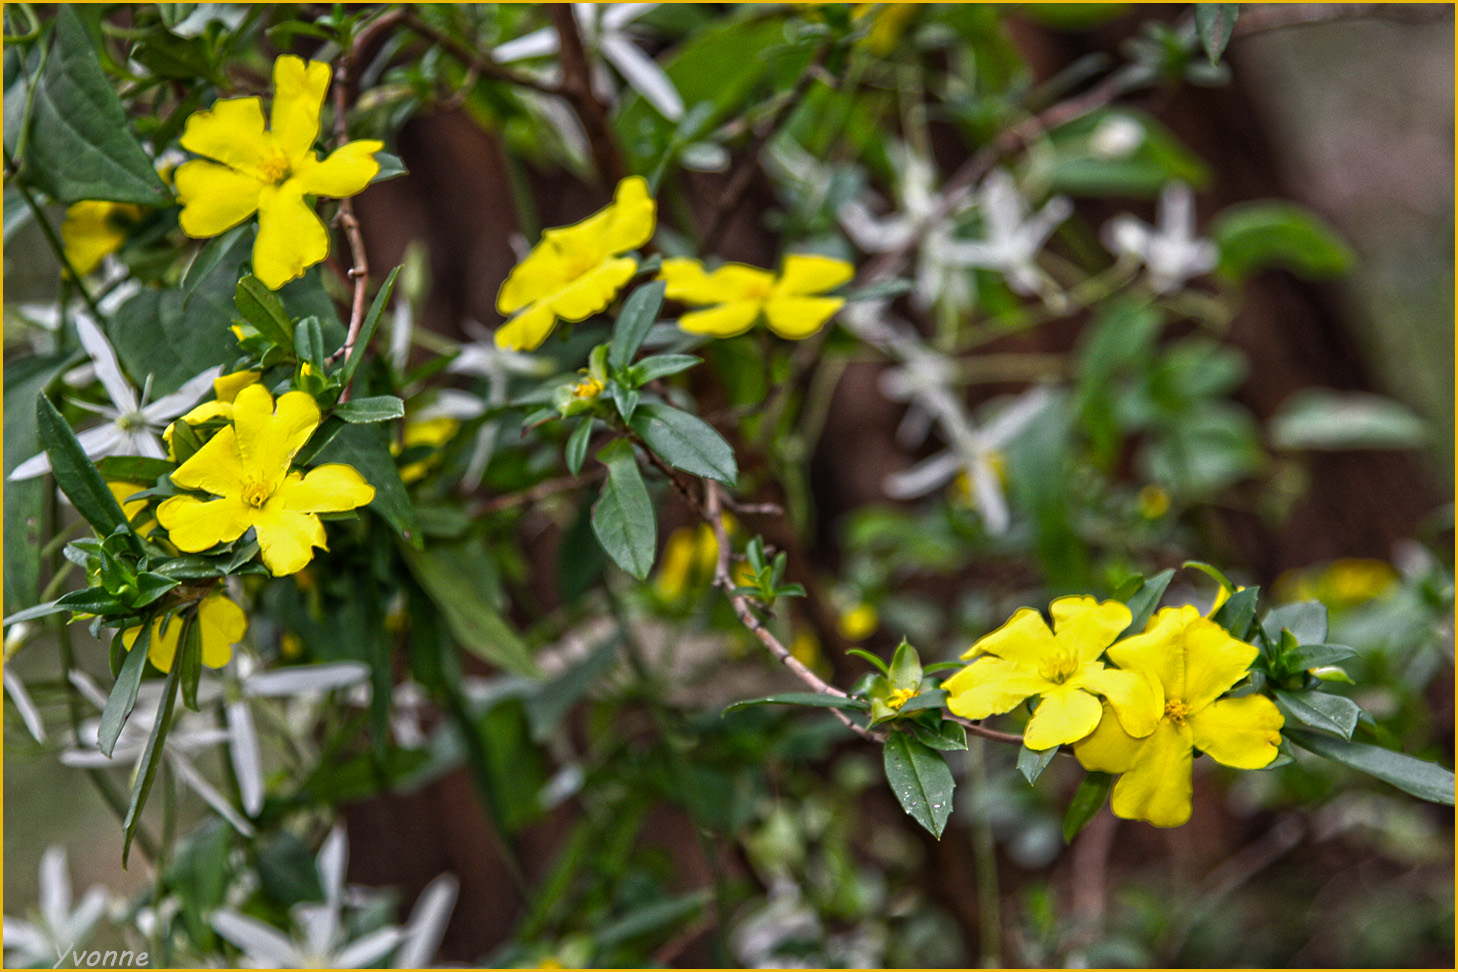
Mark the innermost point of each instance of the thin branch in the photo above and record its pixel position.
(359, 272)
(539, 492)
(477, 62)
(577, 88)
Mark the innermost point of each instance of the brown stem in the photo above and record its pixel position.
(577, 87)
(359, 272)
(538, 492)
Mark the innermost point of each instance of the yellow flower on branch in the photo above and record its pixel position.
(249, 168)
(735, 295)
(93, 229)
(223, 625)
(1188, 662)
(1023, 659)
(246, 467)
(226, 388)
(575, 271)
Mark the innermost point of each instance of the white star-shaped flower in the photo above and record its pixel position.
(60, 924)
(1013, 238)
(1170, 249)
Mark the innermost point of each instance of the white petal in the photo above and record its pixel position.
(923, 477)
(536, 44)
(247, 763)
(108, 370)
(333, 858)
(35, 466)
(168, 407)
(1126, 236)
(427, 923)
(402, 330)
(644, 75)
(260, 941)
(87, 686)
(452, 403)
(22, 936)
(1011, 421)
(617, 15)
(305, 678)
(15, 688)
(103, 440)
(189, 775)
(1036, 230)
(319, 923)
(988, 492)
(55, 887)
(85, 915)
(368, 950)
(141, 443)
(1177, 211)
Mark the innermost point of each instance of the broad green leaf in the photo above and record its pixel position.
(287, 871)
(814, 699)
(921, 780)
(133, 469)
(1427, 781)
(686, 442)
(124, 693)
(457, 580)
(623, 516)
(1320, 418)
(151, 759)
(1253, 236)
(639, 312)
(1143, 602)
(375, 408)
(1306, 620)
(80, 145)
(262, 308)
(74, 473)
(1334, 713)
(367, 328)
(577, 445)
(946, 737)
(1032, 763)
(367, 449)
(1087, 800)
(930, 699)
(1213, 24)
(25, 500)
(309, 342)
(1315, 656)
(207, 259)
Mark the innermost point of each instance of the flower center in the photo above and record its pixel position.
(587, 388)
(1058, 668)
(256, 492)
(131, 421)
(276, 168)
(1175, 711)
(900, 697)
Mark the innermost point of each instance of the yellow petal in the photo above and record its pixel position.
(215, 468)
(736, 281)
(92, 229)
(290, 237)
(593, 290)
(810, 273)
(1024, 639)
(214, 197)
(162, 647)
(298, 95)
(686, 281)
(1064, 715)
(543, 272)
(631, 217)
(1087, 626)
(193, 524)
(794, 318)
(223, 625)
(1132, 697)
(120, 491)
(206, 412)
(527, 330)
(270, 436)
(990, 686)
(1158, 786)
(1159, 653)
(1243, 732)
(231, 132)
(287, 539)
(330, 488)
(1108, 748)
(1214, 661)
(724, 321)
(227, 387)
(346, 171)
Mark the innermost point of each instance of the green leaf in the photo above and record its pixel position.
(639, 312)
(1213, 24)
(74, 473)
(207, 259)
(1238, 611)
(1032, 763)
(151, 759)
(189, 658)
(921, 780)
(686, 442)
(133, 469)
(309, 342)
(1087, 800)
(1427, 781)
(623, 516)
(1306, 620)
(1334, 713)
(930, 699)
(905, 669)
(1320, 418)
(367, 449)
(946, 737)
(814, 699)
(660, 366)
(458, 579)
(1315, 656)
(1143, 602)
(262, 308)
(375, 408)
(124, 693)
(625, 400)
(24, 501)
(36, 611)
(550, 703)
(873, 659)
(367, 328)
(1255, 235)
(287, 871)
(391, 167)
(80, 145)
(577, 445)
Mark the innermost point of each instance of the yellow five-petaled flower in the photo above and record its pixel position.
(735, 295)
(1188, 662)
(223, 624)
(575, 271)
(246, 466)
(1023, 659)
(270, 171)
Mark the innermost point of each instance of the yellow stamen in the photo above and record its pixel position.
(1176, 711)
(900, 697)
(587, 388)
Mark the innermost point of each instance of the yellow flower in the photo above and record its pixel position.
(1153, 502)
(688, 557)
(588, 387)
(1341, 584)
(270, 171)
(435, 433)
(739, 294)
(575, 271)
(130, 507)
(900, 697)
(92, 229)
(1023, 659)
(1188, 662)
(223, 625)
(859, 622)
(246, 465)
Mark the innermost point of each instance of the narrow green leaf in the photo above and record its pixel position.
(623, 516)
(1213, 24)
(263, 309)
(1087, 800)
(74, 473)
(930, 699)
(1252, 236)
(946, 737)
(206, 260)
(814, 699)
(686, 442)
(367, 328)
(1315, 656)
(375, 408)
(133, 469)
(458, 580)
(35, 611)
(1334, 713)
(1427, 781)
(151, 759)
(309, 342)
(660, 366)
(24, 500)
(1323, 419)
(189, 658)
(124, 693)
(1032, 763)
(1143, 602)
(873, 659)
(577, 445)
(639, 312)
(921, 780)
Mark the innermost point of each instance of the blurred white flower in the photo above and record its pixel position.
(604, 29)
(1116, 137)
(29, 714)
(1012, 238)
(1169, 249)
(134, 426)
(498, 366)
(59, 925)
